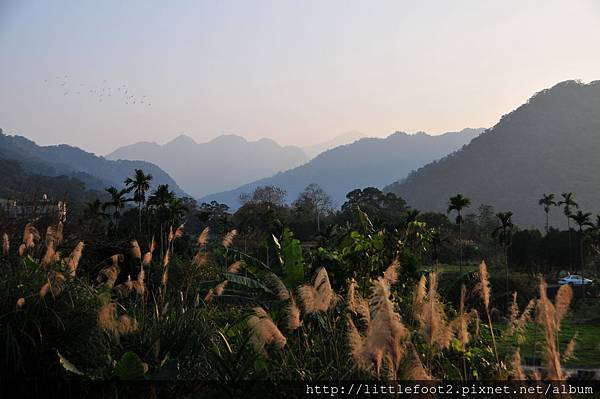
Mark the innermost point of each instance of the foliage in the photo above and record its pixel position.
(201, 306)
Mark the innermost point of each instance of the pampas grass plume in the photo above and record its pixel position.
(136, 252)
(229, 237)
(203, 237)
(264, 332)
(5, 244)
(75, 257)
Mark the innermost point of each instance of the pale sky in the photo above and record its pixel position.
(299, 72)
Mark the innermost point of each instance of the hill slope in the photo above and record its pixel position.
(367, 162)
(342, 139)
(551, 144)
(64, 160)
(17, 184)
(220, 164)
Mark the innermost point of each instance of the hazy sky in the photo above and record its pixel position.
(299, 72)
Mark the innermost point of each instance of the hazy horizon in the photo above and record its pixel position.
(298, 73)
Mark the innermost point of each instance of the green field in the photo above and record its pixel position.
(587, 348)
(583, 320)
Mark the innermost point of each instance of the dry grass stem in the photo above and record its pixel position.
(517, 372)
(74, 259)
(5, 244)
(293, 315)
(570, 351)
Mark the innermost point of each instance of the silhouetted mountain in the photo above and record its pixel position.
(367, 162)
(346, 138)
(551, 144)
(17, 184)
(223, 163)
(58, 160)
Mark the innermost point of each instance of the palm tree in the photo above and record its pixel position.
(582, 220)
(117, 201)
(412, 215)
(503, 234)
(159, 201)
(161, 196)
(176, 209)
(567, 202)
(93, 213)
(547, 201)
(458, 203)
(139, 184)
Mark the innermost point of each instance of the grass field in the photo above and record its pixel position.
(583, 320)
(587, 348)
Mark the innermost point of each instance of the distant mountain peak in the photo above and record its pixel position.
(399, 133)
(266, 140)
(228, 139)
(315, 150)
(224, 162)
(182, 139)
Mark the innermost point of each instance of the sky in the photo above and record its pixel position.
(299, 72)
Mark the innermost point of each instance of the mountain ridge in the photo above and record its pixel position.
(366, 162)
(232, 158)
(63, 159)
(342, 139)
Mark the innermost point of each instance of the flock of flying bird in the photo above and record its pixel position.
(102, 92)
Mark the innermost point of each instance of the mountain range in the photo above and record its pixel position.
(220, 164)
(550, 144)
(342, 139)
(366, 162)
(64, 160)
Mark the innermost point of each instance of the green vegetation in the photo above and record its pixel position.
(145, 285)
(586, 353)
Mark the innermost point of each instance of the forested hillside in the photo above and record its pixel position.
(551, 144)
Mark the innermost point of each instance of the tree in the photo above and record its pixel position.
(458, 203)
(93, 213)
(139, 184)
(547, 201)
(384, 209)
(415, 233)
(159, 201)
(436, 240)
(582, 220)
(567, 202)
(176, 210)
(117, 201)
(270, 195)
(214, 215)
(503, 234)
(315, 200)
(161, 197)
